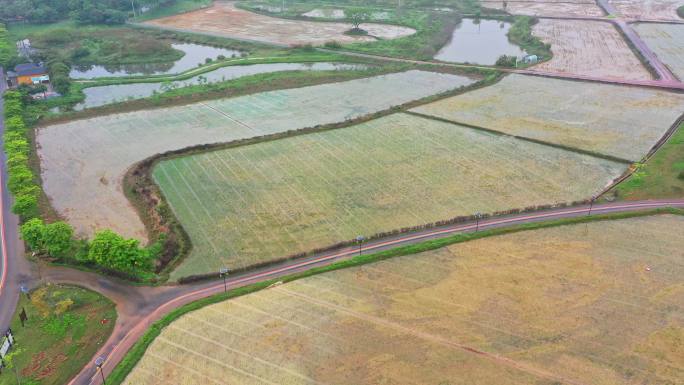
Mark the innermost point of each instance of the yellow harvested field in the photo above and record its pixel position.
(648, 9)
(599, 303)
(618, 121)
(581, 8)
(591, 48)
(224, 19)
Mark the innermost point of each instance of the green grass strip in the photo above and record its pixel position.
(118, 375)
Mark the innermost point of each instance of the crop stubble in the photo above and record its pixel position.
(247, 205)
(596, 303)
(667, 41)
(618, 121)
(648, 9)
(548, 8)
(591, 48)
(83, 162)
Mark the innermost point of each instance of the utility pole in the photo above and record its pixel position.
(223, 273)
(477, 221)
(360, 240)
(591, 204)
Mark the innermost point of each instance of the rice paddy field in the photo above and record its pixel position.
(252, 204)
(223, 18)
(667, 41)
(590, 48)
(617, 121)
(83, 162)
(597, 303)
(551, 8)
(648, 9)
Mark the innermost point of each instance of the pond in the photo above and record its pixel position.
(479, 42)
(99, 96)
(194, 55)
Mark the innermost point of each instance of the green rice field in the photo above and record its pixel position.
(251, 204)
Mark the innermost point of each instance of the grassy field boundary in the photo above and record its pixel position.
(532, 140)
(155, 212)
(133, 356)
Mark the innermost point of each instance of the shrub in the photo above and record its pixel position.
(681, 175)
(111, 250)
(332, 44)
(506, 61)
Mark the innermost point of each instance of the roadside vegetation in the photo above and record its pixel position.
(166, 8)
(680, 11)
(135, 354)
(6, 48)
(66, 326)
(662, 176)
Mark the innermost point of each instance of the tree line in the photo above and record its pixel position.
(83, 11)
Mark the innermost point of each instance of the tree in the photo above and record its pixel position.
(57, 238)
(357, 16)
(111, 250)
(32, 233)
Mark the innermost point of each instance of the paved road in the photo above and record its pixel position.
(14, 269)
(141, 306)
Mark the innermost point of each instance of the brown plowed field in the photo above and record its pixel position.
(588, 48)
(223, 18)
(648, 9)
(548, 8)
(592, 304)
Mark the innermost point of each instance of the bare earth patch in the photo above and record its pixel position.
(597, 303)
(588, 48)
(252, 204)
(225, 19)
(648, 9)
(619, 121)
(548, 8)
(83, 162)
(667, 41)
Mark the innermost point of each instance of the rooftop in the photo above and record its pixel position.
(28, 69)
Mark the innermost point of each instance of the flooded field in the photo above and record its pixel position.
(225, 19)
(328, 13)
(248, 205)
(99, 96)
(648, 9)
(579, 8)
(479, 42)
(83, 161)
(590, 48)
(623, 122)
(195, 54)
(667, 41)
(597, 303)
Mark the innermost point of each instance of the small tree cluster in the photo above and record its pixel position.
(506, 61)
(54, 239)
(357, 16)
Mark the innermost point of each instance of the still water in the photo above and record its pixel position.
(98, 96)
(194, 55)
(479, 42)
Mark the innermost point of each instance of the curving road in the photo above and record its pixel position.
(141, 306)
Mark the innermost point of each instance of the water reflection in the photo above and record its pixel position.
(98, 96)
(480, 42)
(194, 55)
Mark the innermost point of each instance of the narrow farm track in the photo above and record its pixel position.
(139, 307)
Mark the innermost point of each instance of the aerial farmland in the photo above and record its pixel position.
(544, 306)
(441, 192)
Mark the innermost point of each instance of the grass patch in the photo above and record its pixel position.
(118, 375)
(65, 328)
(521, 34)
(662, 176)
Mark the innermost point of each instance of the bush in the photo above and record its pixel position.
(54, 239)
(332, 44)
(506, 61)
(681, 175)
(111, 250)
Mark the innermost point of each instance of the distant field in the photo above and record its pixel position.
(251, 204)
(623, 122)
(83, 162)
(648, 9)
(597, 303)
(590, 48)
(667, 41)
(547, 8)
(225, 19)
